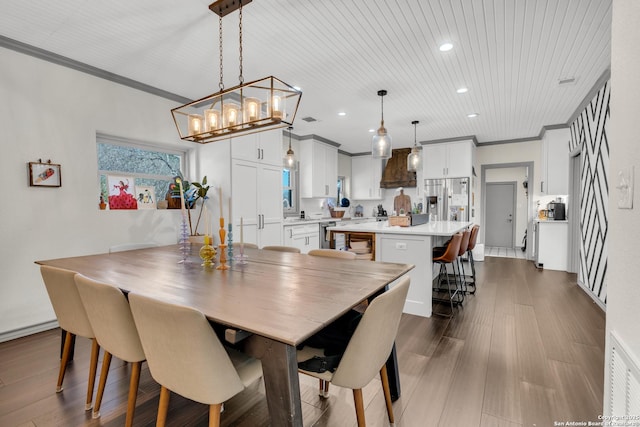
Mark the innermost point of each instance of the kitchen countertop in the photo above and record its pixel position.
(435, 228)
(352, 220)
(551, 221)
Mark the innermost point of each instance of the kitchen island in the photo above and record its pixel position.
(411, 245)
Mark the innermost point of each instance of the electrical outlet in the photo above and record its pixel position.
(625, 188)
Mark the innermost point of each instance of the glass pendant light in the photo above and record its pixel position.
(290, 155)
(413, 159)
(381, 143)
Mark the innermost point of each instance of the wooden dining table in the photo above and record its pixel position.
(276, 299)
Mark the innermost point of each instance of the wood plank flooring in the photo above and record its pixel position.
(526, 350)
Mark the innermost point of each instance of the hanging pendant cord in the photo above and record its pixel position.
(240, 78)
(382, 109)
(221, 83)
(415, 137)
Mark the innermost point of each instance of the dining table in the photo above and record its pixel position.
(275, 301)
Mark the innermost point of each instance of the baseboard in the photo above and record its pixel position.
(29, 330)
(593, 296)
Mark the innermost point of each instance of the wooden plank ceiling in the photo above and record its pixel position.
(510, 54)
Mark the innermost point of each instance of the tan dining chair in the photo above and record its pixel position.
(236, 245)
(185, 356)
(282, 249)
(72, 318)
(332, 253)
(323, 387)
(369, 348)
(115, 330)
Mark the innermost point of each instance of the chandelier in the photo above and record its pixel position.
(260, 105)
(413, 159)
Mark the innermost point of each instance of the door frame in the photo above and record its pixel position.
(514, 196)
(530, 210)
(573, 214)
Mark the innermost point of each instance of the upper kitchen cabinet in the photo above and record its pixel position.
(555, 162)
(318, 169)
(448, 159)
(366, 173)
(261, 147)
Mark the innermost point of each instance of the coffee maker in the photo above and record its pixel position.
(557, 211)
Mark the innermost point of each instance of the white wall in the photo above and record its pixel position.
(623, 292)
(52, 112)
(519, 152)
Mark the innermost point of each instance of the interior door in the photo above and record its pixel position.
(500, 211)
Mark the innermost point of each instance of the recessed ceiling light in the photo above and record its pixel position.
(472, 115)
(371, 130)
(342, 113)
(446, 47)
(297, 88)
(462, 90)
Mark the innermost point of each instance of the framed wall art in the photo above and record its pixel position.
(121, 192)
(44, 174)
(146, 197)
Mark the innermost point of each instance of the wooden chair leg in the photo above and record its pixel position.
(387, 393)
(64, 360)
(325, 392)
(214, 415)
(163, 406)
(104, 373)
(357, 398)
(93, 368)
(133, 392)
(323, 388)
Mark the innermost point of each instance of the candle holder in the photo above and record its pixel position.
(185, 246)
(223, 257)
(230, 243)
(241, 258)
(207, 254)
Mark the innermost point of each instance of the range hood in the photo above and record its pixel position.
(395, 172)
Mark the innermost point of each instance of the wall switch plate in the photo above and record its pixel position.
(625, 188)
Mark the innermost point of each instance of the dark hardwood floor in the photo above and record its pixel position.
(526, 350)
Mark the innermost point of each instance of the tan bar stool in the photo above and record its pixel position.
(449, 257)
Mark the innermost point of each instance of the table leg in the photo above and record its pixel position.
(393, 374)
(280, 372)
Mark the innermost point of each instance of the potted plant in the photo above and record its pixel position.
(193, 191)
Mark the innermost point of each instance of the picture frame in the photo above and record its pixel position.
(121, 192)
(44, 174)
(146, 197)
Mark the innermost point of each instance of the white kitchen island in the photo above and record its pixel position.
(412, 245)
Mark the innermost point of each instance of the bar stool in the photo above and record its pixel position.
(449, 257)
(472, 244)
(464, 245)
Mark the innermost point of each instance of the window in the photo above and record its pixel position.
(151, 166)
(290, 190)
(340, 189)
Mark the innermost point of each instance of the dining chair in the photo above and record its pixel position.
(332, 253)
(73, 319)
(369, 348)
(110, 316)
(131, 246)
(282, 249)
(185, 356)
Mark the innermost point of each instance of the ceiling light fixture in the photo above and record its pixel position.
(290, 155)
(342, 113)
(381, 142)
(462, 90)
(413, 159)
(472, 115)
(445, 47)
(260, 105)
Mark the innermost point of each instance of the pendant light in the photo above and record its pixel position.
(290, 155)
(381, 143)
(413, 159)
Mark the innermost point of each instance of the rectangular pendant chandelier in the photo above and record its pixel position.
(260, 105)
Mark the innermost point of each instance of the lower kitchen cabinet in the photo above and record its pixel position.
(304, 237)
(552, 239)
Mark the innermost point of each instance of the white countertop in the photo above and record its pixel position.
(435, 228)
(298, 221)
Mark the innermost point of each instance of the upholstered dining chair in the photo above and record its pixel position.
(282, 249)
(72, 318)
(185, 356)
(115, 330)
(332, 253)
(369, 348)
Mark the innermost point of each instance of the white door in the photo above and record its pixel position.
(500, 211)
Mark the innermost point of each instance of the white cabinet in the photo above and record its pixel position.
(555, 162)
(257, 195)
(304, 237)
(261, 147)
(366, 173)
(318, 169)
(447, 160)
(551, 244)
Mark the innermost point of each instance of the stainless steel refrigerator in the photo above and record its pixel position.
(447, 199)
